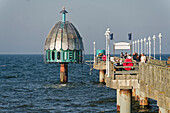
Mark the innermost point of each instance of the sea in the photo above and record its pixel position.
(28, 85)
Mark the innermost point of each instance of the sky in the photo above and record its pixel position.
(25, 24)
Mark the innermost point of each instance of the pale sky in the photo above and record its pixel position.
(25, 24)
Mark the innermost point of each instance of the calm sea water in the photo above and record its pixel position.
(29, 85)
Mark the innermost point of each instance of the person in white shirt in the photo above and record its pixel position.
(129, 56)
(143, 58)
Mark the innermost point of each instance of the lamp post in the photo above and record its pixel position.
(147, 48)
(144, 45)
(107, 34)
(138, 47)
(154, 38)
(133, 46)
(160, 37)
(141, 45)
(94, 43)
(149, 39)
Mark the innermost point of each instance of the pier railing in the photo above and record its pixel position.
(157, 62)
(120, 70)
(99, 64)
(116, 69)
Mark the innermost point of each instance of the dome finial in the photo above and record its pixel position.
(63, 7)
(64, 14)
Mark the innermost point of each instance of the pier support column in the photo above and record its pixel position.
(163, 110)
(143, 100)
(118, 100)
(137, 97)
(133, 92)
(64, 73)
(102, 76)
(126, 101)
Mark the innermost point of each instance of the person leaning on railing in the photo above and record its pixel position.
(143, 58)
(168, 62)
(135, 56)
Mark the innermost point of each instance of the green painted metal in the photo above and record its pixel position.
(47, 58)
(55, 55)
(63, 56)
(64, 17)
(67, 60)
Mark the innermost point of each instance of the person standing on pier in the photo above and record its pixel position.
(135, 56)
(125, 55)
(143, 58)
(129, 56)
(121, 55)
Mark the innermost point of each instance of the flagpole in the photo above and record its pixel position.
(130, 38)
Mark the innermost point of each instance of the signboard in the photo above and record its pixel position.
(122, 45)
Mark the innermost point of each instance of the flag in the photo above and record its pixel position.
(111, 36)
(130, 36)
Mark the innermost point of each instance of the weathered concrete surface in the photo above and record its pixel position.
(125, 100)
(143, 99)
(155, 82)
(128, 81)
(137, 97)
(102, 76)
(133, 92)
(118, 100)
(100, 65)
(162, 110)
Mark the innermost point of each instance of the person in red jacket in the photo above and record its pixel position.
(128, 64)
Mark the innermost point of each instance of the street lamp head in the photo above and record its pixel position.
(133, 42)
(141, 40)
(138, 41)
(160, 35)
(144, 39)
(149, 38)
(94, 42)
(154, 37)
(107, 32)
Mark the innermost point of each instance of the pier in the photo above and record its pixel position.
(141, 80)
(146, 80)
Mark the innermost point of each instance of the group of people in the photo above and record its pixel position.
(136, 57)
